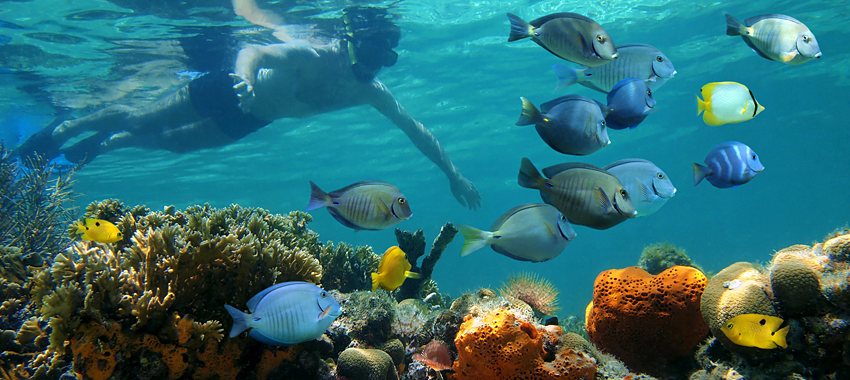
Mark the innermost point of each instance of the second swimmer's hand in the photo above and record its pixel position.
(244, 91)
(466, 193)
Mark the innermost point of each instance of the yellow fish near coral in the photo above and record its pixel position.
(726, 103)
(756, 330)
(392, 270)
(98, 230)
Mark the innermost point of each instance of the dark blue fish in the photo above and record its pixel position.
(9, 25)
(571, 124)
(629, 102)
(729, 164)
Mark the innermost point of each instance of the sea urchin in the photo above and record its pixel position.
(532, 289)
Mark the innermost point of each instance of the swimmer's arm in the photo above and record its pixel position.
(383, 100)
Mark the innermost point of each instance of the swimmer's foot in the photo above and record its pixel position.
(39, 144)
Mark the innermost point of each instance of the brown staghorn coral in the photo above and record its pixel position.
(413, 244)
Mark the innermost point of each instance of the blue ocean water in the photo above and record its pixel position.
(459, 76)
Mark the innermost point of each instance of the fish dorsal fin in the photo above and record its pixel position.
(252, 303)
(555, 169)
(602, 199)
(545, 107)
(507, 215)
(752, 20)
(339, 192)
(542, 20)
(625, 161)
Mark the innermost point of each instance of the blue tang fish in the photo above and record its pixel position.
(530, 232)
(636, 61)
(729, 164)
(287, 313)
(629, 102)
(570, 124)
(647, 184)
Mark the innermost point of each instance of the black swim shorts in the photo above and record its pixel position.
(212, 96)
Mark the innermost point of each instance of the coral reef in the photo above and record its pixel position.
(367, 321)
(808, 287)
(658, 257)
(413, 244)
(632, 310)
(500, 346)
(347, 269)
(366, 364)
(532, 289)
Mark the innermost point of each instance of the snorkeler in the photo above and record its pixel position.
(295, 79)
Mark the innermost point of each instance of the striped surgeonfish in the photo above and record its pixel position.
(287, 313)
(635, 61)
(365, 205)
(570, 36)
(776, 37)
(729, 164)
(588, 195)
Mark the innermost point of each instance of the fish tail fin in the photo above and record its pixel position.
(519, 28)
(473, 239)
(410, 274)
(733, 26)
(530, 114)
(567, 76)
(529, 177)
(318, 198)
(240, 322)
(81, 227)
(700, 172)
(376, 280)
(779, 337)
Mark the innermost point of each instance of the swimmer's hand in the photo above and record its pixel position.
(466, 193)
(244, 91)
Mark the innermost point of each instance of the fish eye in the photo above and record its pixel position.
(402, 201)
(729, 326)
(806, 38)
(649, 92)
(603, 123)
(623, 193)
(660, 175)
(753, 156)
(600, 38)
(323, 294)
(563, 218)
(659, 58)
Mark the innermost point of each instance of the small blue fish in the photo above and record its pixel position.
(286, 314)
(571, 124)
(647, 184)
(729, 164)
(629, 102)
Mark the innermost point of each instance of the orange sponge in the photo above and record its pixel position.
(500, 347)
(646, 321)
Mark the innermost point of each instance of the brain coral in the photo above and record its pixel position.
(632, 310)
(366, 364)
(740, 288)
(796, 287)
(500, 347)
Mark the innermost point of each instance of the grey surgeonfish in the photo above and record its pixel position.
(588, 195)
(646, 183)
(776, 37)
(635, 61)
(286, 314)
(365, 205)
(531, 232)
(570, 36)
(571, 124)
(629, 102)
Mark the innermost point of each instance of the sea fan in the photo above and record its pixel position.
(532, 289)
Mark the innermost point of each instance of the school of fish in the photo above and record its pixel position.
(573, 193)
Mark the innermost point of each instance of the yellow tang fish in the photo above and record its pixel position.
(99, 230)
(392, 270)
(756, 330)
(726, 103)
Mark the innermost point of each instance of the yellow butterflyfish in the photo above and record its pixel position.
(98, 230)
(756, 330)
(726, 103)
(392, 270)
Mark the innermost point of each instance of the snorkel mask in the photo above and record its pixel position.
(370, 37)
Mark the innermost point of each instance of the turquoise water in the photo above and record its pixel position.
(458, 76)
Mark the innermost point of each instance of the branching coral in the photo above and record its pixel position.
(414, 245)
(347, 269)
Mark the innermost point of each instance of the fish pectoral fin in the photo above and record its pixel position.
(602, 199)
(385, 209)
(410, 274)
(789, 56)
(646, 192)
(746, 105)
